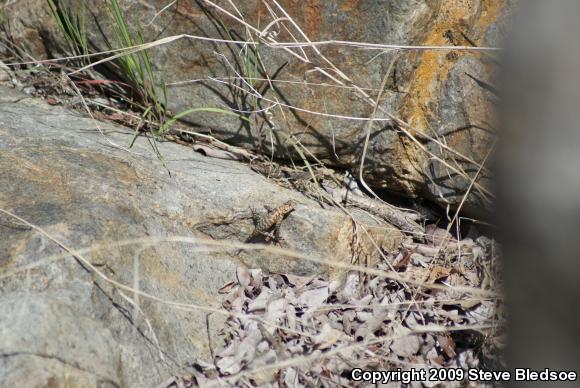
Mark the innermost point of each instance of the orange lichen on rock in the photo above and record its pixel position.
(454, 18)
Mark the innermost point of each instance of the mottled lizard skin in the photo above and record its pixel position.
(272, 220)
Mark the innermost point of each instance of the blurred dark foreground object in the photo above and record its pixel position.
(538, 169)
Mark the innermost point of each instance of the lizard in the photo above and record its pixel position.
(268, 225)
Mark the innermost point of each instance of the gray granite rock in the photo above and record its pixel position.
(415, 84)
(63, 325)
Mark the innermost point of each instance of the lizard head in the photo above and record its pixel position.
(291, 204)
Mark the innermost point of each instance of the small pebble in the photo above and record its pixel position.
(29, 90)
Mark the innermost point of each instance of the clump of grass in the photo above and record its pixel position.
(141, 89)
(134, 70)
(72, 26)
(137, 70)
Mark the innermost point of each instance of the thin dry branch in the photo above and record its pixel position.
(149, 241)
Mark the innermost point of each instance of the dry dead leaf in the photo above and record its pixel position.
(244, 276)
(437, 273)
(407, 344)
(261, 301)
(328, 337)
(227, 288)
(436, 235)
(215, 152)
(468, 304)
(313, 298)
(447, 345)
(402, 261)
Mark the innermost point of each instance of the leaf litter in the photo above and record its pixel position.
(307, 331)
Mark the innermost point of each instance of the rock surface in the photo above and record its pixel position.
(64, 325)
(442, 95)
